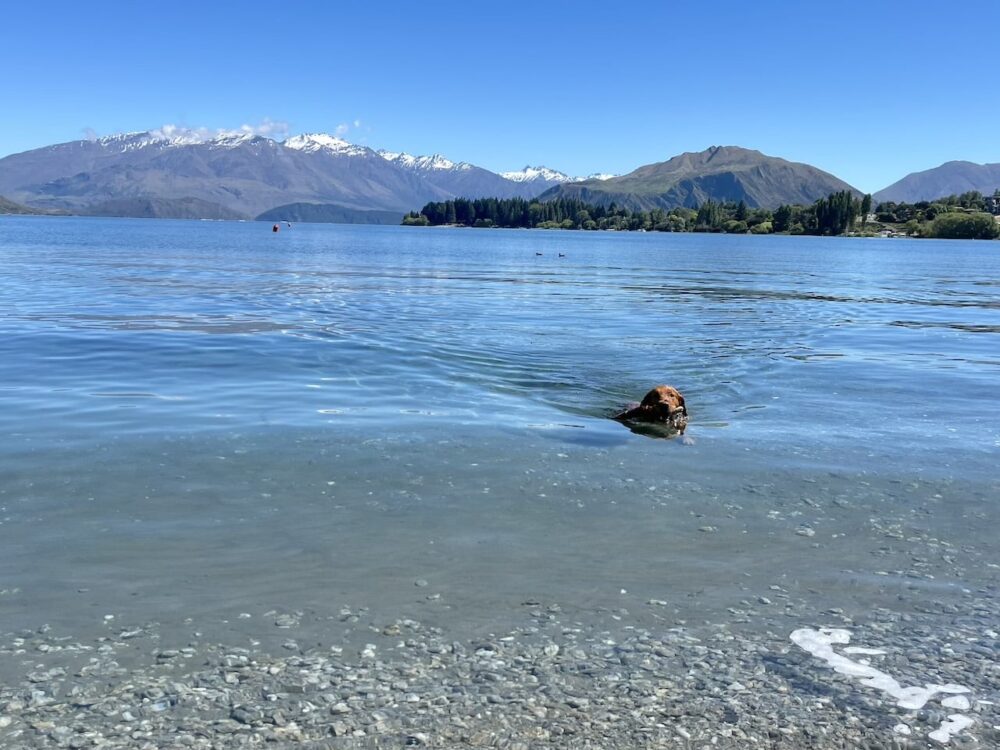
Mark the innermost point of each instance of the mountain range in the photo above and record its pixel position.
(951, 178)
(242, 176)
(173, 173)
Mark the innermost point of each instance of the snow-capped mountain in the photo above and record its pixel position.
(536, 174)
(424, 163)
(211, 175)
(464, 180)
(170, 137)
(548, 176)
(185, 172)
(173, 137)
(321, 142)
(127, 141)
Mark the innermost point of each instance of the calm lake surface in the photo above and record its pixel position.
(206, 419)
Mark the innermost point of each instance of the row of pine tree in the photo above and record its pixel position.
(837, 214)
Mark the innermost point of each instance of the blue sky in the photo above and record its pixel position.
(867, 90)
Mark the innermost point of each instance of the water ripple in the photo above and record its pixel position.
(446, 324)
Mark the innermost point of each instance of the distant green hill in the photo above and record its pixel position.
(719, 174)
(329, 213)
(9, 207)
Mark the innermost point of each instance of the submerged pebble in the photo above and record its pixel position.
(562, 682)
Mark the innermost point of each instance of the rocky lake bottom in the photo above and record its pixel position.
(832, 610)
(559, 679)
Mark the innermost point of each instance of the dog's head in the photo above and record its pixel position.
(665, 404)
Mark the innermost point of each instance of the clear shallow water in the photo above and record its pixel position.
(204, 419)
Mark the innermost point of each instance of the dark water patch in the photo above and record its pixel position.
(966, 327)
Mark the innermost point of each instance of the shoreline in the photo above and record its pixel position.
(853, 236)
(559, 678)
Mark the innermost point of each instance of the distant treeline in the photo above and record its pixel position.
(832, 215)
(837, 214)
(966, 216)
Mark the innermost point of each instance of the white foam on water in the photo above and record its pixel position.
(820, 644)
(954, 724)
(902, 729)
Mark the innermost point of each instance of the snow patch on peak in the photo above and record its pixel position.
(109, 140)
(313, 142)
(544, 174)
(231, 141)
(131, 141)
(177, 135)
(423, 163)
(536, 174)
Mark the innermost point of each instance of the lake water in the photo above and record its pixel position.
(206, 419)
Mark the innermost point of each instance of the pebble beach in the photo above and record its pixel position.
(557, 680)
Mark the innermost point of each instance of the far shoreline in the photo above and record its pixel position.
(553, 230)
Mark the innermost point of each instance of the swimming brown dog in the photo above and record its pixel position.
(662, 405)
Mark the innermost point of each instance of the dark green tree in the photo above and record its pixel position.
(782, 219)
(836, 213)
(965, 226)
